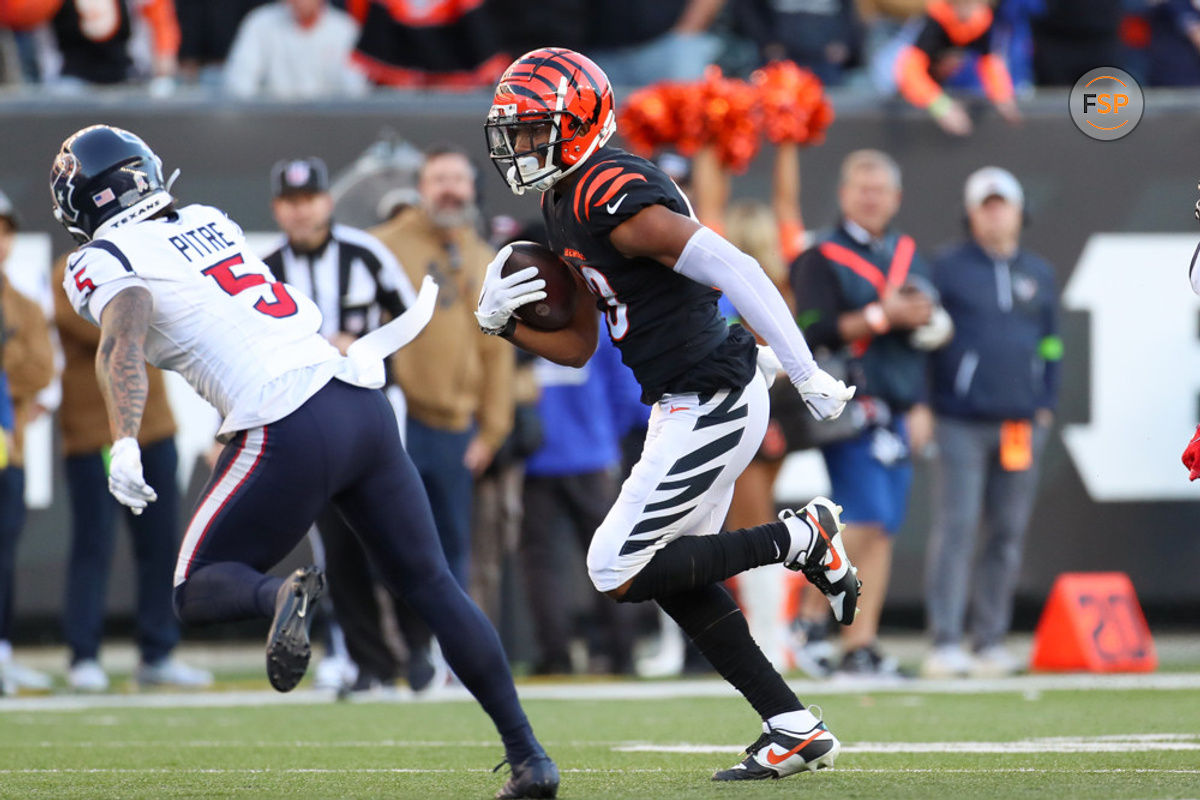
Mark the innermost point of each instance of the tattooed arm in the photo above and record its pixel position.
(121, 360)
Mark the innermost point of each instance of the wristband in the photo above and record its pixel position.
(505, 332)
(876, 318)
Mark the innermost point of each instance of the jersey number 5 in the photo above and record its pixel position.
(222, 272)
(617, 313)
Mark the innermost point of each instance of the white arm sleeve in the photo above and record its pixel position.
(711, 260)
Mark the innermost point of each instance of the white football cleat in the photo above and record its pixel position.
(817, 551)
(779, 753)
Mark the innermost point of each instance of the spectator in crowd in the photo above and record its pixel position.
(824, 37)
(1074, 36)
(355, 281)
(207, 28)
(994, 390)
(94, 512)
(637, 43)
(1175, 43)
(294, 49)
(458, 384)
(18, 49)
(570, 484)
(11, 673)
(851, 299)
(28, 365)
(1014, 26)
(950, 31)
(99, 48)
(432, 44)
(525, 26)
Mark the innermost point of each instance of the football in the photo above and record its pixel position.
(557, 309)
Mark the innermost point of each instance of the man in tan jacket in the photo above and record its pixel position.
(28, 363)
(83, 420)
(458, 384)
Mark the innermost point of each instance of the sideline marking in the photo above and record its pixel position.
(619, 690)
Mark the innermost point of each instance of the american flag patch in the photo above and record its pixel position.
(103, 198)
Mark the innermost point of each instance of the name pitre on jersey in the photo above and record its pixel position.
(247, 343)
(665, 325)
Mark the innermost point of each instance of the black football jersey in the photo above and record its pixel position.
(666, 326)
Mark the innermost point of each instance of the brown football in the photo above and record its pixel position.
(556, 310)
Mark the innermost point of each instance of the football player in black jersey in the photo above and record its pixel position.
(634, 244)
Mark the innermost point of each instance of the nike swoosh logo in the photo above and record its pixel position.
(835, 563)
(673, 409)
(774, 760)
(612, 207)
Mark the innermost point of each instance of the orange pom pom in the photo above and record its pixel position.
(793, 103)
(730, 118)
(647, 119)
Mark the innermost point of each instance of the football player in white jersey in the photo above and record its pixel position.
(304, 426)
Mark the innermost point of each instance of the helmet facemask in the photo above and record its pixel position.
(538, 166)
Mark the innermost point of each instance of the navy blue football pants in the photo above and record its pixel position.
(341, 447)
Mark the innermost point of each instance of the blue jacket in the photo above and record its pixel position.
(584, 414)
(1003, 362)
(7, 421)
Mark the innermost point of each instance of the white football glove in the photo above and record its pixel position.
(501, 296)
(125, 480)
(824, 394)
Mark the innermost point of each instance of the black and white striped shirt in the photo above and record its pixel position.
(352, 278)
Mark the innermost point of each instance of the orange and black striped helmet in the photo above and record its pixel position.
(553, 108)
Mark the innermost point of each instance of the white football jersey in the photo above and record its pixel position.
(246, 343)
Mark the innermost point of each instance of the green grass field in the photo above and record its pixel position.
(1027, 743)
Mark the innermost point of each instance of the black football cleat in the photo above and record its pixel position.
(779, 753)
(535, 777)
(288, 650)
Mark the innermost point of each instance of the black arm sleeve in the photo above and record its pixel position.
(818, 299)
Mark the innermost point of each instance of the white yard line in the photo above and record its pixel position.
(1111, 743)
(621, 690)
(1115, 743)
(570, 771)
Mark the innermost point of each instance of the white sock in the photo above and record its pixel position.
(800, 721)
(805, 543)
